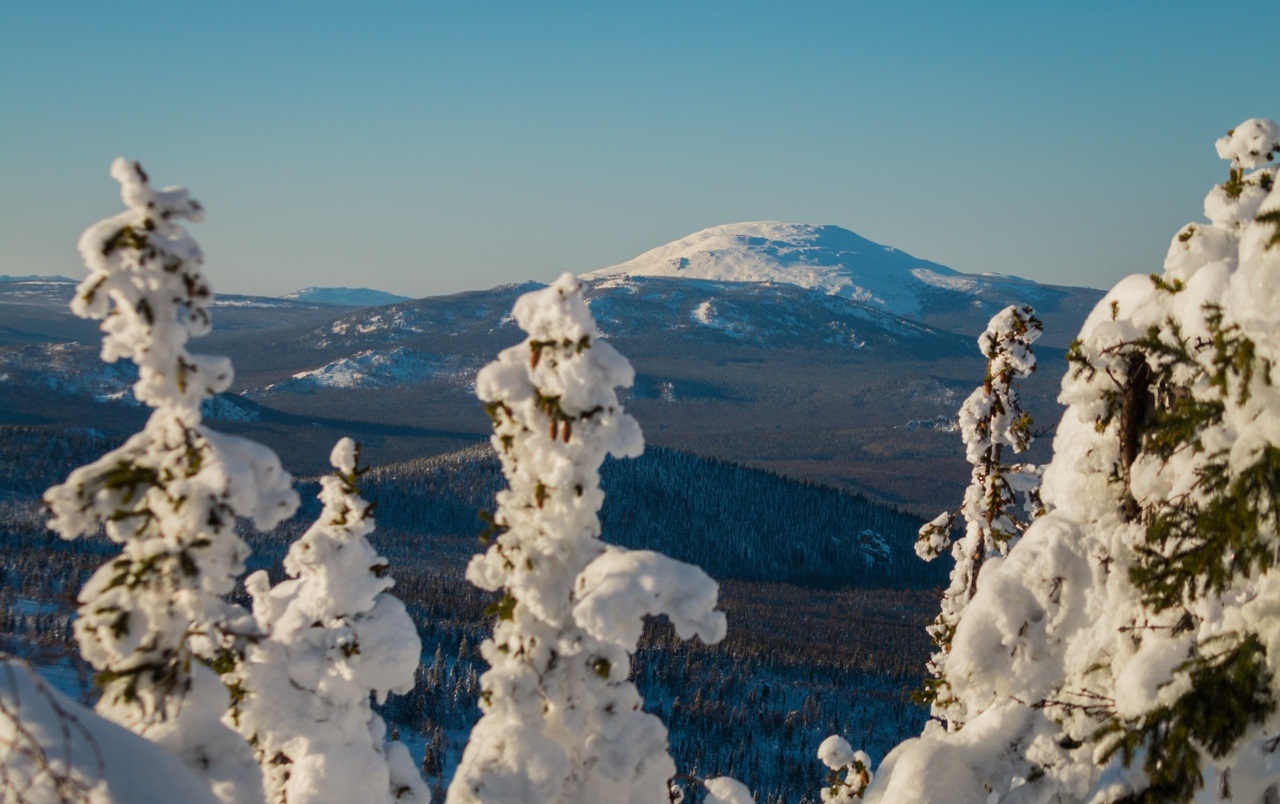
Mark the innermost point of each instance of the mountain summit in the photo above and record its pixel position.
(820, 257)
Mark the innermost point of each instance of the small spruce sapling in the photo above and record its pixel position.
(991, 419)
(154, 620)
(561, 722)
(848, 771)
(333, 636)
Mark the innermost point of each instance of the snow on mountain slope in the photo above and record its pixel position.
(826, 258)
(351, 297)
(68, 368)
(756, 313)
(373, 368)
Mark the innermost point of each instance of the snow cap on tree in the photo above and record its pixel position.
(723, 790)
(151, 618)
(333, 636)
(561, 722)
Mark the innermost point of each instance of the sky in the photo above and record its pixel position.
(427, 148)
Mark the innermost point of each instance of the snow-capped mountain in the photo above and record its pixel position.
(827, 258)
(349, 297)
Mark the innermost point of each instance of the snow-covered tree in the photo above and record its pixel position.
(1128, 647)
(333, 636)
(991, 419)
(561, 722)
(154, 620)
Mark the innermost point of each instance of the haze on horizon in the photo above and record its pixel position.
(431, 148)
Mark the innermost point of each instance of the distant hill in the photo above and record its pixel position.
(35, 278)
(349, 297)
(732, 521)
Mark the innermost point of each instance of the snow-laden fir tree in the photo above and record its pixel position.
(561, 723)
(154, 620)
(333, 636)
(991, 421)
(1128, 648)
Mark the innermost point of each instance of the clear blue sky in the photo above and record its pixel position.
(427, 148)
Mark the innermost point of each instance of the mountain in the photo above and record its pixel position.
(840, 263)
(347, 297)
(828, 258)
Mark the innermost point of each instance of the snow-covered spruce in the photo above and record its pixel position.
(561, 723)
(152, 620)
(990, 420)
(1128, 648)
(332, 636)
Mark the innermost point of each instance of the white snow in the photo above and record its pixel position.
(621, 587)
(723, 790)
(822, 257)
(52, 750)
(375, 368)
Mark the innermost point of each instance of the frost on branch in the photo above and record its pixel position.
(1128, 647)
(991, 419)
(561, 723)
(333, 635)
(152, 620)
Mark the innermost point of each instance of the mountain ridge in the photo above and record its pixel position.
(346, 297)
